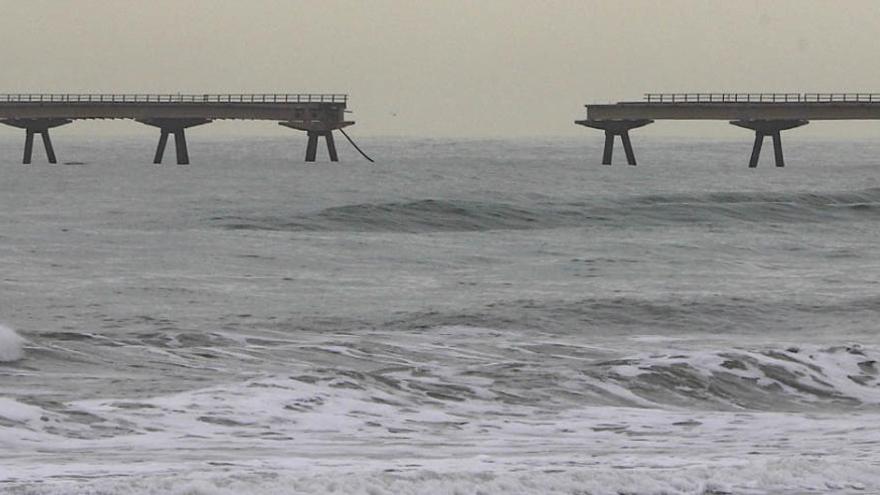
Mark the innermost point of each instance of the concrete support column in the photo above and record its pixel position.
(160, 150)
(47, 143)
(765, 128)
(314, 132)
(180, 147)
(614, 128)
(28, 146)
(36, 126)
(627, 148)
(609, 148)
(756, 149)
(777, 149)
(312, 147)
(178, 128)
(331, 147)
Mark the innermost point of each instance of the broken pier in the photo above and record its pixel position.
(316, 114)
(767, 114)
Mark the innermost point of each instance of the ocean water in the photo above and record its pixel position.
(461, 317)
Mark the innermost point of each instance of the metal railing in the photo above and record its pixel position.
(721, 97)
(842, 97)
(762, 97)
(173, 98)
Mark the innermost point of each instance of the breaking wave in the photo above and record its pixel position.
(801, 475)
(783, 379)
(442, 215)
(11, 345)
(509, 390)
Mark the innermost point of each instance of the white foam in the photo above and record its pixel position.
(750, 477)
(276, 434)
(462, 428)
(828, 373)
(16, 411)
(11, 345)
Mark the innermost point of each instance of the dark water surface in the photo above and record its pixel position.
(460, 317)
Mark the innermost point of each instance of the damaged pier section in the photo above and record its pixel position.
(767, 114)
(316, 114)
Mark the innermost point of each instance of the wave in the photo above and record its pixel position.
(668, 314)
(455, 215)
(11, 345)
(449, 360)
(558, 375)
(484, 475)
(460, 387)
(774, 379)
(406, 419)
(429, 215)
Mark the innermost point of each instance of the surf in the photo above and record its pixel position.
(11, 345)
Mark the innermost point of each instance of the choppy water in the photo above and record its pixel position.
(461, 317)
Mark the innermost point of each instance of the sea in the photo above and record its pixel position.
(463, 316)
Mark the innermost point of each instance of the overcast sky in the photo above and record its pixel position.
(445, 67)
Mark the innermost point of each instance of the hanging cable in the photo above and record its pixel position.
(356, 146)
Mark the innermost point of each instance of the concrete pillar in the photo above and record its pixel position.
(312, 147)
(178, 128)
(627, 148)
(28, 146)
(609, 148)
(47, 143)
(777, 149)
(331, 146)
(756, 149)
(616, 128)
(160, 150)
(771, 128)
(180, 146)
(315, 131)
(36, 126)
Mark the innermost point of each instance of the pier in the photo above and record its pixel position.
(767, 114)
(318, 115)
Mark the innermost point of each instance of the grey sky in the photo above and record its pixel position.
(446, 68)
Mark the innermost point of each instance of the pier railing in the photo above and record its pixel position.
(173, 98)
(762, 98)
(842, 97)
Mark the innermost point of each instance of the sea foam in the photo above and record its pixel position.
(11, 345)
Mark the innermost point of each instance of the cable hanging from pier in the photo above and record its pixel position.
(350, 140)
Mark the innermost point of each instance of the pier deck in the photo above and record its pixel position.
(765, 113)
(316, 114)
